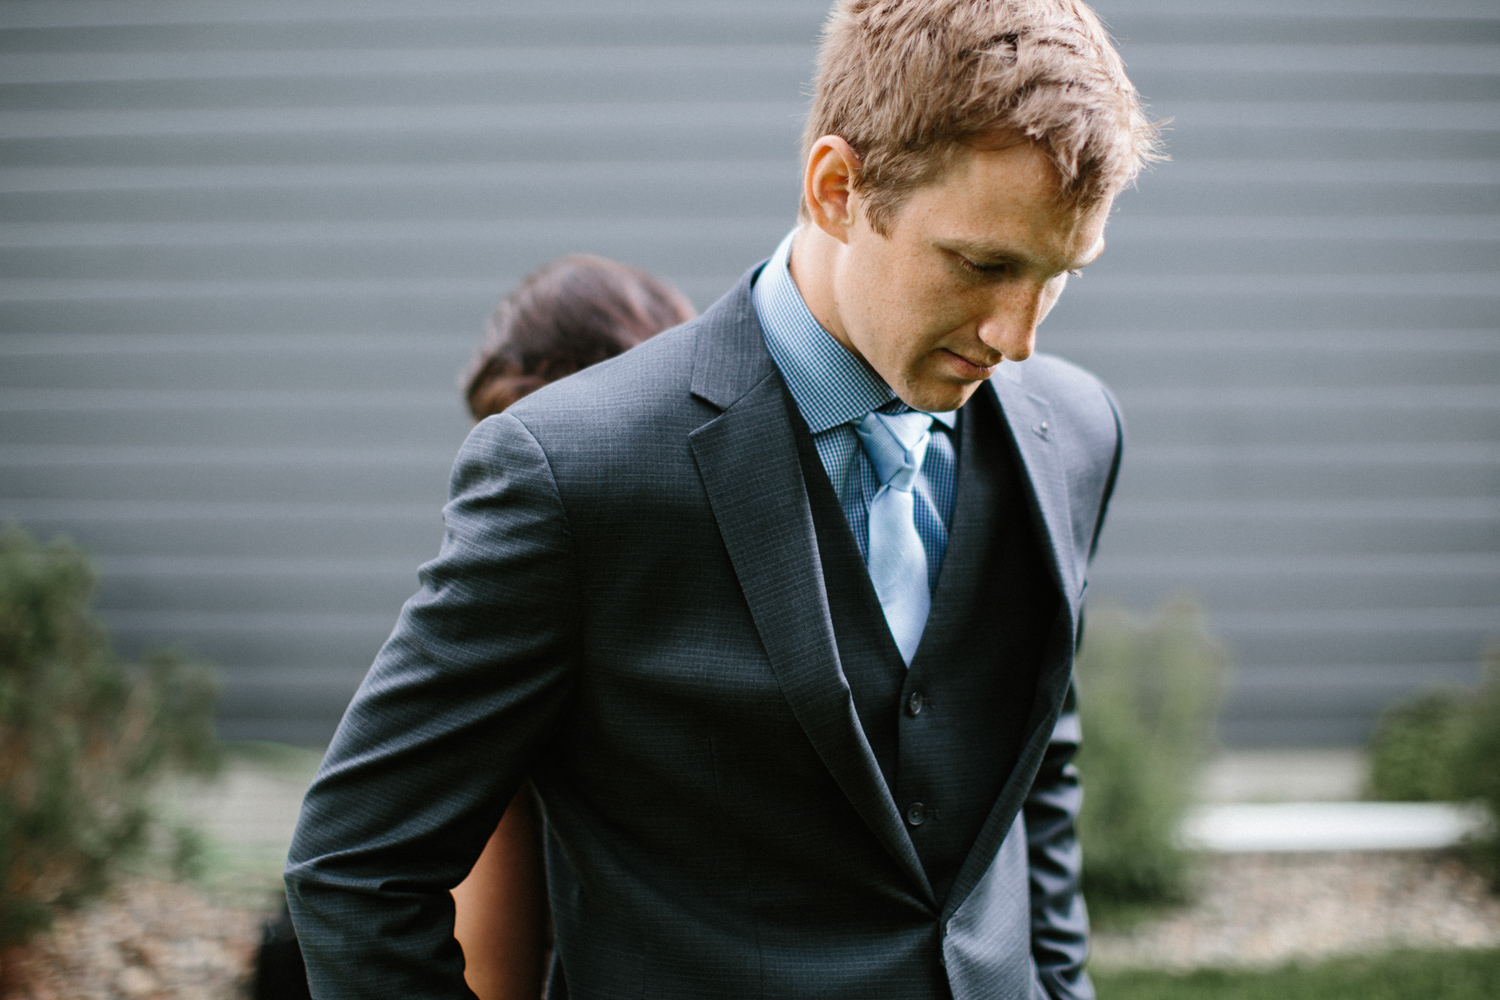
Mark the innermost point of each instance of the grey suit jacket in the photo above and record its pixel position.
(628, 607)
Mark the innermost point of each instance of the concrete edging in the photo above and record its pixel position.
(1330, 826)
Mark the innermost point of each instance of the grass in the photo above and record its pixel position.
(1397, 975)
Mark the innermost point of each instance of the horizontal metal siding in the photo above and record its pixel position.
(1308, 358)
(245, 248)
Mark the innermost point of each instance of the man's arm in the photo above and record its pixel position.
(1059, 922)
(449, 719)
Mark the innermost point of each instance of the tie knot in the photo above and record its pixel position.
(896, 444)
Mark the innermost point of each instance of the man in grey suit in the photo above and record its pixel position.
(777, 610)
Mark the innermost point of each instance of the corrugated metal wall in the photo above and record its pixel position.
(245, 247)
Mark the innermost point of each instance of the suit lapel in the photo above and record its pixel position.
(747, 458)
(965, 560)
(1045, 478)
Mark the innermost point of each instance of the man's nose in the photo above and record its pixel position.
(1010, 324)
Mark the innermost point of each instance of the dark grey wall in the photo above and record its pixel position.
(245, 247)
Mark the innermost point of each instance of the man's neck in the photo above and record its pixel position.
(813, 259)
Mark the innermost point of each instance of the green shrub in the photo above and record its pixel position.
(1445, 746)
(1417, 747)
(1481, 766)
(1147, 696)
(83, 737)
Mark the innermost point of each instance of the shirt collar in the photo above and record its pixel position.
(830, 385)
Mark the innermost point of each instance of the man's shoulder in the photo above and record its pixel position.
(1047, 375)
(1064, 386)
(657, 387)
(1085, 422)
(646, 382)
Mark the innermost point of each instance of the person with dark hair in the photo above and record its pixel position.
(566, 315)
(777, 611)
(569, 314)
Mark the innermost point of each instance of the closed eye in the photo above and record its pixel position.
(1001, 268)
(995, 270)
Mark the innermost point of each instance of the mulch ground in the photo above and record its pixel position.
(149, 940)
(1269, 909)
(157, 940)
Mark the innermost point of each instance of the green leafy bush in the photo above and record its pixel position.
(1481, 765)
(1147, 696)
(1417, 749)
(1445, 746)
(83, 737)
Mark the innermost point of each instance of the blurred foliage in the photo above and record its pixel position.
(1397, 975)
(1417, 748)
(1148, 693)
(1445, 746)
(83, 737)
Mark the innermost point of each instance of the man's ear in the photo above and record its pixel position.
(828, 187)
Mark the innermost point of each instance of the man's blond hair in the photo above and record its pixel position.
(908, 83)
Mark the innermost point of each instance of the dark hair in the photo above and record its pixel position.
(567, 315)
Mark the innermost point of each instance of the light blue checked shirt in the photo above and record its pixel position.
(834, 390)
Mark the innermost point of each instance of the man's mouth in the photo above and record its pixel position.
(971, 369)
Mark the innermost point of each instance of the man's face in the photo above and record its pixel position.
(970, 267)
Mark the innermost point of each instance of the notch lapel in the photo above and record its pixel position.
(1045, 478)
(1045, 481)
(747, 458)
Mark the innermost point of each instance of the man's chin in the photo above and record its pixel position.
(940, 397)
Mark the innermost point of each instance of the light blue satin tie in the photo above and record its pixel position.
(896, 445)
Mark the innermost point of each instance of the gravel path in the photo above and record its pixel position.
(1267, 909)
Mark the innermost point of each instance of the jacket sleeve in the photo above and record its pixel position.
(457, 706)
(1059, 922)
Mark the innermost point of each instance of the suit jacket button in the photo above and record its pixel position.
(914, 703)
(916, 814)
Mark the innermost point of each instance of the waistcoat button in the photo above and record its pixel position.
(914, 703)
(916, 814)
